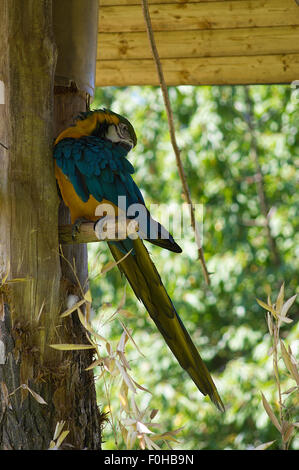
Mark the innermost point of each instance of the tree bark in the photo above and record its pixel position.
(78, 392)
(33, 285)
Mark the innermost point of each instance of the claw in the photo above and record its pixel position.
(77, 225)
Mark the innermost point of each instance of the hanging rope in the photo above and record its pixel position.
(176, 149)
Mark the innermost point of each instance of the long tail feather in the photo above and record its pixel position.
(147, 285)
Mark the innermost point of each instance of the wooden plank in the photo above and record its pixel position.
(281, 68)
(212, 43)
(199, 16)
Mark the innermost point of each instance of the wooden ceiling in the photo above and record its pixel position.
(200, 42)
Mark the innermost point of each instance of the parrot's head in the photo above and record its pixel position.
(106, 124)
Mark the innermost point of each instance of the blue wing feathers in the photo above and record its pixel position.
(127, 166)
(67, 151)
(79, 186)
(95, 188)
(98, 167)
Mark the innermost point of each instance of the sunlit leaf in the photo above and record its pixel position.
(150, 444)
(126, 377)
(288, 362)
(290, 390)
(142, 428)
(94, 364)
(87, 296)
(126, 313)
(71, 347)
(287, 430)
(267, 307)
(280, 298)
(140, 387)
(270, 413)
(122, 342)
(35, 395)
(284, 319)
(61, 438)
(131, 337)
(264, 446)
(123, 360)
(73, 308)
(287, 305)
(270, 323)
(131, 438)
(58, 429)
(88, 326)
(112, 264)
(52, 445)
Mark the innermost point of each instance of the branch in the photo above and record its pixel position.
(176, 149)
(107, 229)
(86, 234)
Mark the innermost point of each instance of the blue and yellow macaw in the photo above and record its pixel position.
(91, 169)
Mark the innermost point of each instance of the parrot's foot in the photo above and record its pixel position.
(106, 227)
(77, 225)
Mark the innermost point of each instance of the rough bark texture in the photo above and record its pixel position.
(28, 221)
(32, 289)
(79, 393)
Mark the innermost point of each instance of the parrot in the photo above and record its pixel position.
(92, 169)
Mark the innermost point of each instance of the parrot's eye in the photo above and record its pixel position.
(119, 134)
(124, 133)
(123, 128)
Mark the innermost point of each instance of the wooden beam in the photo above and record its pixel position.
(200, 16)
(29, 202)
(212, 43)
(281, 68)
(86, 234)
(151, 2)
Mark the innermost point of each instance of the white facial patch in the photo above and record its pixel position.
(119, 134)
(112, 135)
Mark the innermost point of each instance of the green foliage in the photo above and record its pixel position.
(224, 320)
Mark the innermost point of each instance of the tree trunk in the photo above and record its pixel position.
(32, 289)
(77, 392)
